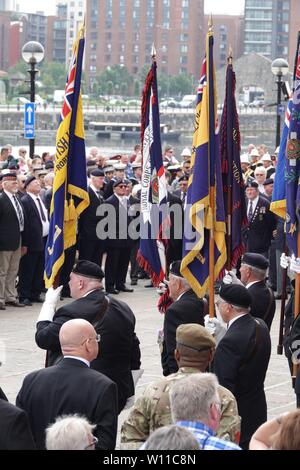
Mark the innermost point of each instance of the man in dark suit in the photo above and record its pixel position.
(15, 432)
(113, 319)
(90, 247)
(262, 223)
(186, 308)
(183, 185)
(118, 242)
(31, 273)
(13, 242)
(253, 275)
(242, 358)
(72, 387)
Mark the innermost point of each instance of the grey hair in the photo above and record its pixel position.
(192, 397)
(260, 169)
(259, 273)
(69, 433)
(171, 438)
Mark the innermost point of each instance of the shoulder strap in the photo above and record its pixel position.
(102, 311)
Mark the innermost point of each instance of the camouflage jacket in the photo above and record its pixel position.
(152, 411)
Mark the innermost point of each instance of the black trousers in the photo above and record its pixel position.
(134, 265)
(66, 269)
(116, 267)
(31, 275)
(91, 250)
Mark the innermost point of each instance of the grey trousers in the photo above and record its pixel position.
(9, 267)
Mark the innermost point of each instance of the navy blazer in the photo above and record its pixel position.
(88, 221)
(259, 233)
(10, 234)
(35, 228)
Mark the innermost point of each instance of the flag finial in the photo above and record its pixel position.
(230, 55)
(210, 22)
(153, 53)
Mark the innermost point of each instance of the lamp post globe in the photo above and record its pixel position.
(279, 68)
(33, 53)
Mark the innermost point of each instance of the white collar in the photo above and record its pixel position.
(234, 319)
(77, 358)
(251, 284)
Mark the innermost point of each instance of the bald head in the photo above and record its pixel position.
(78, 338)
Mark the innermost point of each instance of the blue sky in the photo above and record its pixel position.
(211, 6)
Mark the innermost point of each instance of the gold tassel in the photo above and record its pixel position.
(67, 212)
(72, 210)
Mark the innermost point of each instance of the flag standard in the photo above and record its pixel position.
(233, 184)
(70, 196)
(204, 248)
(154, 217)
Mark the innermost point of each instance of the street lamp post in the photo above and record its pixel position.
(32, 53)
(279, 68)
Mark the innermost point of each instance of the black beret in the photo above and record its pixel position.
(118, 182)
(8, 176)
(49, 165)
(97, 173)
(252, 184)
(88, 269)
(29, 180)
(268, 181)
(235, 294)
(175, 268)
(183, 178)
(256, 260)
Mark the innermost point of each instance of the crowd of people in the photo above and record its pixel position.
(92, 339)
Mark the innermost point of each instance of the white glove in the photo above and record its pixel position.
(162, 287)
(49, 305)
(230, 278)
(295, 264)
(214, 327)
(284, 261)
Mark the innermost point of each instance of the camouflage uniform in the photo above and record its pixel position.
(152, 411)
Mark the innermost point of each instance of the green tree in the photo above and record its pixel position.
(112, 78)
(53, 77)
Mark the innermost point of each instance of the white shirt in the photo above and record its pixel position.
(123, 200)
(45, 223)
(251, 284)
(78, 359)
(13, 201)
(234, 319)
(254, 204)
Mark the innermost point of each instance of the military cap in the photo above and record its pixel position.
(254, 153)
(136, 165)
(120, 166)
(29, 180)
(235, 294)
(118, 182)
(256, 260)
(266, 158)
(245, 159)
(268, 181)
(97, 173)
(108, 169)
(252, 184)
(8, 175)
(88, 269)
(13, 165)
(174, 168)
(175, 268)
(195, 336)
(186, 152)
(183, 178)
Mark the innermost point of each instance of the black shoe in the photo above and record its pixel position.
(278, 296)
(149, 285)
(26, 302)
(143, 276)
(37, 300)
(125, 289)
(134, 282)
(15, 303)
(112, 291)
(2, 306)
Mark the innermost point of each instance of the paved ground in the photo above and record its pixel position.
(22, 355)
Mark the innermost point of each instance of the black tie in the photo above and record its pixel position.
(19, 211)
(41, 210)
(99, 195)
(250, 213)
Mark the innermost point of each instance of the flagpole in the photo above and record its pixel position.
(229, 179)
(211, 189)
(297, 304)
